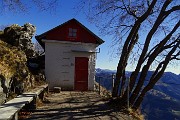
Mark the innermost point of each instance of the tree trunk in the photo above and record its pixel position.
(149, 62)
(156, 77)
(123, 83)
(123, 59)
(129, 44)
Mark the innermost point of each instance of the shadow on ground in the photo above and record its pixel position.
(76, 105)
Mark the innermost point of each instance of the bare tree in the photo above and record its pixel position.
(16, 6)
(147, 31)
(38, 48)
(23, 6)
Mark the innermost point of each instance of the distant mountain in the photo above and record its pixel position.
(99, 70)
(160, 103)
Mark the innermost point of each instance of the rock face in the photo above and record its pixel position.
(20, 36)
(15, 49)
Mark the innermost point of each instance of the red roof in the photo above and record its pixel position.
(60, 33)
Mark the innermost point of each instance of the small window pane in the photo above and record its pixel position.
(72, 32)
(70, 29)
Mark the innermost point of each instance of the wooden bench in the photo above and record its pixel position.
(9, 110)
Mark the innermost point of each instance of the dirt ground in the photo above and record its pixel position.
(71, 105)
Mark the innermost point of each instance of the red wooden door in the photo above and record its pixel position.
(81, 74)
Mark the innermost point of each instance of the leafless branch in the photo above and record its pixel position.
(129, 11)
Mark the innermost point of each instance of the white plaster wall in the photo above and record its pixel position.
(60, 62)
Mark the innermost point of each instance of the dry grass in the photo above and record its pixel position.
(136, 114)
(103, 92)
(22, 115)
(39, 102)
(107, 96)
(11, 96)
(10, 58)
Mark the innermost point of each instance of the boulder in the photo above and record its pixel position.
(20, 36)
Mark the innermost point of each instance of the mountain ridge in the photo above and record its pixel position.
(162, 102)
(132, 71)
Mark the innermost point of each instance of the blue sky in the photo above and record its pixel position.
(44, 20)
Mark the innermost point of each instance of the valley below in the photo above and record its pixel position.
(160, 103)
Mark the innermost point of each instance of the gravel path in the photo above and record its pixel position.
(71, 105)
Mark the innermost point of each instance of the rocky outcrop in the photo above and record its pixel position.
(15, 50)
(20, 36)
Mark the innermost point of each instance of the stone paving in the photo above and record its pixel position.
(71, 105)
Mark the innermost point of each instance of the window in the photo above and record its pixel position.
(72, 32)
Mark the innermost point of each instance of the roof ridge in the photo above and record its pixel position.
(39, 37)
